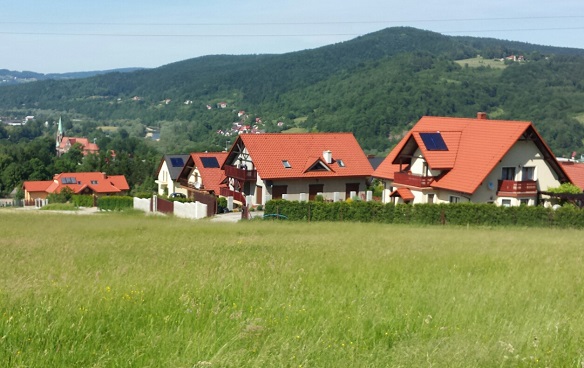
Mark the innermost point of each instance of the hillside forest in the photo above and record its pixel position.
(376, 86)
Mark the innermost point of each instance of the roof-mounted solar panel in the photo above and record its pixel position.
(210, 162)
(177, 162)
(433, 141)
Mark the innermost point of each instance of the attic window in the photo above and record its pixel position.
(318, 166)
(434, 141)
(94, 182)
(286, 164)
(341, 163)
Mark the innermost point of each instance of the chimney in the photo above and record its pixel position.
(481, 115)
(328, 156)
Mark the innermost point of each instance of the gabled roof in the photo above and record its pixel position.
(37, 186)
(211, 176)
(475, 147)
(173, 163)
(97, 182)
(301, 151)
(575, 171)
(404, 193)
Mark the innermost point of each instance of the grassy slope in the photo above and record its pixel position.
(119, 290)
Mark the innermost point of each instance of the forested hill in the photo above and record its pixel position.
(376, 86)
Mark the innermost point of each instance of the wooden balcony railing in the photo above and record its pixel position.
(512, 186)
(226, 192)
(241, 174)
(405, 178)
(185, 184)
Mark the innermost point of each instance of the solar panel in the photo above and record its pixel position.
(433, 141)
(177, 162)
(210, 162)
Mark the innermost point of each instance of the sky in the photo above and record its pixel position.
(61, 36)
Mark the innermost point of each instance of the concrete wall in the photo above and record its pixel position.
(142, 204)
(190, 210)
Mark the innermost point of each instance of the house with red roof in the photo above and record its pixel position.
(295, 166)
(443, 159)
(63, 144)
(168, 170)
(92, 183)
(575, 171)
(202, 173)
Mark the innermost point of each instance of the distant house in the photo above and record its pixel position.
(63, 144)
(222, 105)
(202, 173)
(93, 183)
(442, 160)
(167, 174)
(274, 166)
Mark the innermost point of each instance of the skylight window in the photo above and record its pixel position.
(434, 141)
(286, 164)
(341, 163)
(94, 182)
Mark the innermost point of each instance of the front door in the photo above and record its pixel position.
(313, 190)
(351, 187)
(259, 195)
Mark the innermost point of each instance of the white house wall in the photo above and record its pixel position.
(295, 187)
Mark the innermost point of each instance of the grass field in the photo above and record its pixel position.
(116, 290)
(479, 61)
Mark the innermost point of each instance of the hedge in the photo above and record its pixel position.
(428, 214)
(115, 203)
(82, 200)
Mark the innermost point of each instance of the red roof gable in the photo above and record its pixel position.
(475, 146)
(302, 151)
(211, 176)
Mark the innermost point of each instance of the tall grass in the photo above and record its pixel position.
(115, 290)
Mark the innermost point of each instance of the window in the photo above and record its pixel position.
(454, 199)
(286, 164)
(430, 199)
(524, 202)
(506, 202)
(341, 163)
(528, 173)
(433, 141)
(508, 173)
(94, 182)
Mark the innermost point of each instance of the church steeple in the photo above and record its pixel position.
(60, 133)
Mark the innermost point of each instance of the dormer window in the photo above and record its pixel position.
(286, 164)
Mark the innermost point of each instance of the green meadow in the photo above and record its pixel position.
(128, 290)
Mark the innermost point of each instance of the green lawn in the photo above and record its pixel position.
(479, 61)
(118, 290)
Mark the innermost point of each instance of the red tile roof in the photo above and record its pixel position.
(211, 176)
(86, 146)
(302, 151)
(575, 171)
(97, 182)
(37, 186)
(475, 146)
(404, 193)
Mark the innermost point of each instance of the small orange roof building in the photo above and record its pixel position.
(445, 159)
(95, 183)
(293, 165)
(64, 144)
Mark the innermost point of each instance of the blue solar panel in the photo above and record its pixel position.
(210, 162)
(433, 141)
(177, 162)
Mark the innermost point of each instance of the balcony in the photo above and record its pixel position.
(226, 192)
(517, 187)
(410, 179)
(185, 184)
(241, 174)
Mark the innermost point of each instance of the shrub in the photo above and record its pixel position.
(82, 200)
(115, 203)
